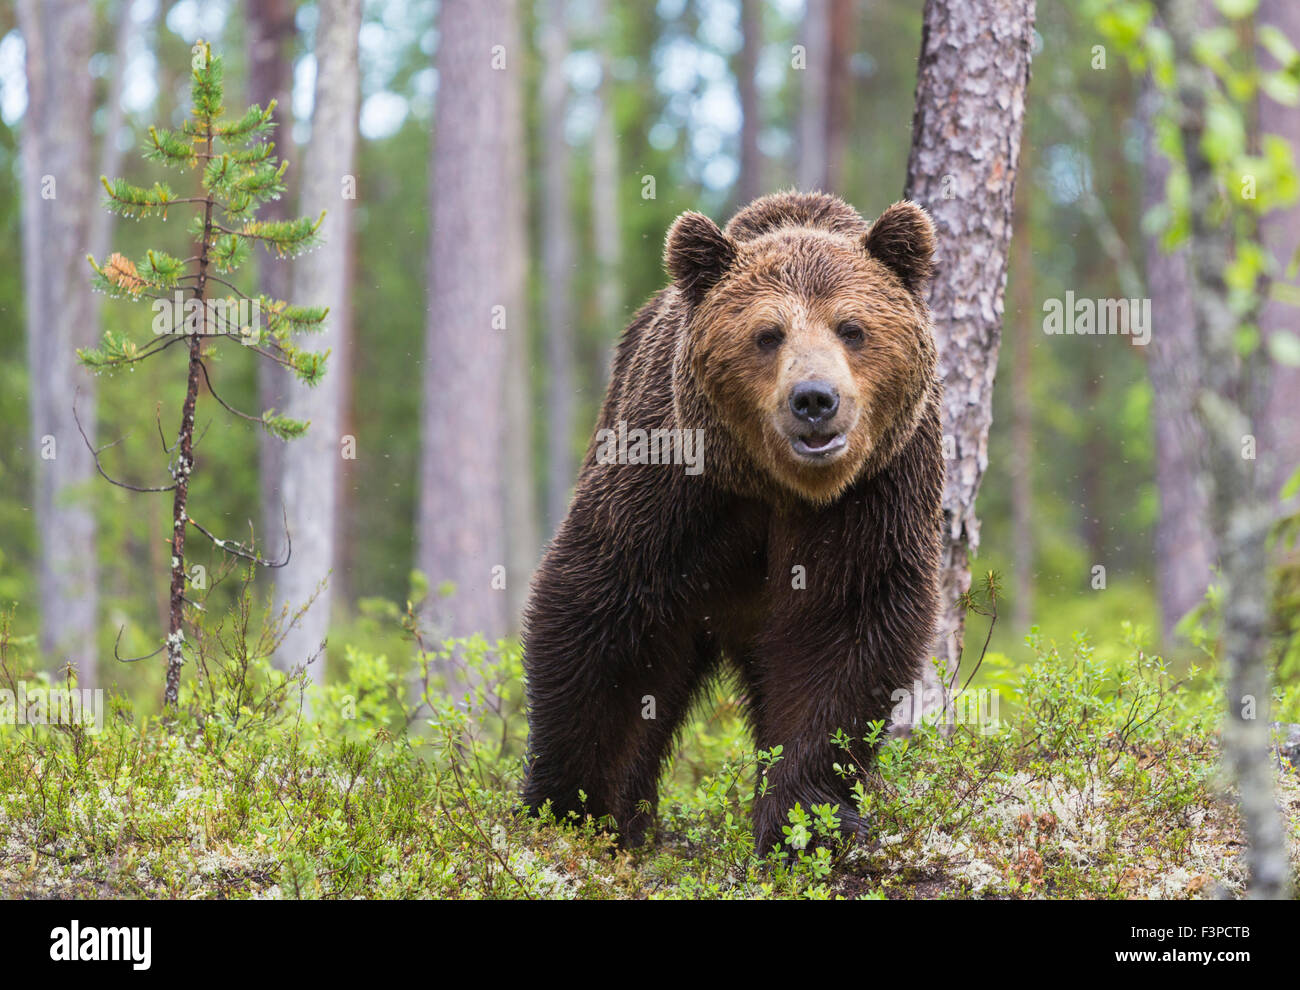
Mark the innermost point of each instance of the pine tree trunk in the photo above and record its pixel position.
(475, 312)
(180, 497)
(557, 264)
(1183, 541)
(184, 470)
(310, 477)
(59, 198)
(970, 111)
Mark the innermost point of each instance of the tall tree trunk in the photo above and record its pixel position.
(59, 197)
(110, 149)
(103, 222)
(345, 508)
(557, 263)
(270, 33)
(604, 184)
(523, 541)
(839, 90)
(970, 111)
(1092, 470)
(1280, 234)
(1183, 542)
(605, 212)
(310, 475)
(475, 312)
(814, 94)
(1241, 517)
(749, 184)
(826, 92)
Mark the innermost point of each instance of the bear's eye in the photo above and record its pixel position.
(851, 332)
(769, 339)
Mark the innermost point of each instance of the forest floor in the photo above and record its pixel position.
(1101, 780)
(1039, 837)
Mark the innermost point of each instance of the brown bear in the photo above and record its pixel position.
(761, 497)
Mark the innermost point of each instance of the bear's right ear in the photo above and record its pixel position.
(697, 255)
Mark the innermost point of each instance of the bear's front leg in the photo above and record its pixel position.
(611, 671)
(851, 604)
(803, 721)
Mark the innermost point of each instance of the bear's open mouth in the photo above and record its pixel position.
(818, 444)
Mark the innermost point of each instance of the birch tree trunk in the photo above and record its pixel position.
(270, 29)
(557, 264)
(1183, 542)
(970, 111)
(475, 313)
(59, 198)
(1242, 518)
(310, 465)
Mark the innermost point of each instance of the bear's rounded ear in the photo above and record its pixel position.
(902, 239)
(697, 254)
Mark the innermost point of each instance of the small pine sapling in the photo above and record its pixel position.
(238, 172)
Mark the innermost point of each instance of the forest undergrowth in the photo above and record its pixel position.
(1075, 775)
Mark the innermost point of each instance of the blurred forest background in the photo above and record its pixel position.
(630, 113)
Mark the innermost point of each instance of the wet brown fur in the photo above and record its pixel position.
(657, 580)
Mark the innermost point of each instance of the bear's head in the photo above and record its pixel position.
(808, 333)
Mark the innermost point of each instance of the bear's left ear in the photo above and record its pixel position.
(697, 255)
(902, 239)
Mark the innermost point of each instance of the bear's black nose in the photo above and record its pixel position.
(814, 401)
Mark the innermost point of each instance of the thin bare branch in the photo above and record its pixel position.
(216, 278)
(121, 659)
(224, 404)
(95, 452)
(247, 553)
(157, 415)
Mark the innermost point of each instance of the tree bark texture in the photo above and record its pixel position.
(59, 198)
(311, 464)
(475, 313)
(270, 33)
(966, 132)
(1183, 540)
(557, 264)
